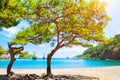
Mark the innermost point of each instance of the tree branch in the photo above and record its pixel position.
(34, 37)
(58, 33)
(65, 44)
(16, 49)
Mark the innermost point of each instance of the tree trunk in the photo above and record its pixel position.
(13, 51)
(10, 64)
(48, 65)
(49, 56)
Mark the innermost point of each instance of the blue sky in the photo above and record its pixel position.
(111, 29)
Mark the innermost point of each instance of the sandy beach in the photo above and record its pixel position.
(103, 73)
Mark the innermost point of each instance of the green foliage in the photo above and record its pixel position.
(34, 35)
(78, 56)
(25, 55)
(2, 50)
(11, 12)
(66, 22)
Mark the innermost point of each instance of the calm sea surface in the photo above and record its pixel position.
(58, 63)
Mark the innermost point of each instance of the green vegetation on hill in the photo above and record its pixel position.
(25, 55)
(2, 50)
(3, 53)
(110, 50)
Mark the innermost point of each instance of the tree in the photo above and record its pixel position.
(13, 51)
(11, 13)
(2, 50)
(64, 23)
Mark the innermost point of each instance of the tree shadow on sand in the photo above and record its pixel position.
(54, 77)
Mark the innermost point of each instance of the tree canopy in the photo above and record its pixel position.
(63, 23)
(82, 21)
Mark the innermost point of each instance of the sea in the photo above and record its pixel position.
(59, 63)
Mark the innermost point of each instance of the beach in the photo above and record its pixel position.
(103, 73)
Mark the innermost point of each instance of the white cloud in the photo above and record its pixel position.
(42, 45)
(11, 31)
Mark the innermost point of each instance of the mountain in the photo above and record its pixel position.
(110, 50)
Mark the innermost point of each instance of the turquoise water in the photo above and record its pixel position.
(59, 63)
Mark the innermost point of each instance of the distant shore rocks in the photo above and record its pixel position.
(112, 54)
(4, 56)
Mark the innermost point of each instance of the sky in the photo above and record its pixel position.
(111, 29)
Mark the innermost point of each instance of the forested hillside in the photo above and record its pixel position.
(110, 50)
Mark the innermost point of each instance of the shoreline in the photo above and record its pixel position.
(64, 68)
(103, 73)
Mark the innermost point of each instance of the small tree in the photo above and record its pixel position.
(2, 50)
(65, 23)
(13, 51)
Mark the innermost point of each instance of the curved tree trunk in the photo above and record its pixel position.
(11, 59)
(49, 56)
(10, 65)
(13, 51)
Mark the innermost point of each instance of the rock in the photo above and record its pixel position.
(112, 54)
(4, 77)
(4, 56)
(49, 79)
(36, 77)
